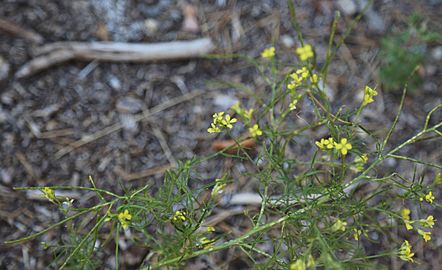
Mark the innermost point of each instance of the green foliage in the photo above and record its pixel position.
(402, 52)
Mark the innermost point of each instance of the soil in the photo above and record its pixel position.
(44, 113)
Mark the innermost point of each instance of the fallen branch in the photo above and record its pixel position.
(19, 31)
(56, 53)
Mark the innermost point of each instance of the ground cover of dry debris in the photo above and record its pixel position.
(43, 114)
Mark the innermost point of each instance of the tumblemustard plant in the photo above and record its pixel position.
(312, 208)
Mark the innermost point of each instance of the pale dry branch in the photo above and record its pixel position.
(56, 53)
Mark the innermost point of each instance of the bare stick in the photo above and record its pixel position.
(19, 31)
(58, 52)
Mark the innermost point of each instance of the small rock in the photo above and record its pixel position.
(4, 68)
(129, 123)
(151, 26)
(6, 175)
(225, 101)
(129, 105)
(375, 21)
(348, 7)
(287, 41)
(115, 83)
(436, 53)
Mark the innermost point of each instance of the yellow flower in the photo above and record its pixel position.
(218, 117)
(210, 228)
(49, 193)
(320, 143)
(339, 225)
(205, 243)
(405, 252)
(296, 81)
(429, 222)
(213, 129)
(248, 114)
(429, 197)
(268, 53)
(425, 235)
(124, 217)
(325, 143)
(298, 265)
(305, 52)
(344, 146)
(227, 121)
(364, 158)
(303, 72)
(292, 105)
(220, 121)
(255, 131)
(408, 225)
(405, 213)
(369, 93)
(314, 79)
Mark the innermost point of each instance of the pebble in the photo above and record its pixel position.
(436, 53)
(348, 7)
(115, 83)
(151, 26)
(375, 21)
(287, 41)
(129, 105)
(129, 123)
(6, 176)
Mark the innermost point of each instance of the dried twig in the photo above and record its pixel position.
(115, 127)
(55, 53)
(19, 31)
(142, 174)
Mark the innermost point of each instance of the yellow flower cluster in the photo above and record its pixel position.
(299, 264)
(220, 121)
(205, 243)
(343, 146)
(124, 217)
(424, 234)
(299, 76)
(325, 143)
(268, 53)
(428, 197)
(305, 52)
(427, 223)
(359, 162)
(247, 114)
(339, 225)
(358, 232)
(369, 93)
(405, 252)
(180, 216)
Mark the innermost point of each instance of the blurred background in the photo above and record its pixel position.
(82, 117)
